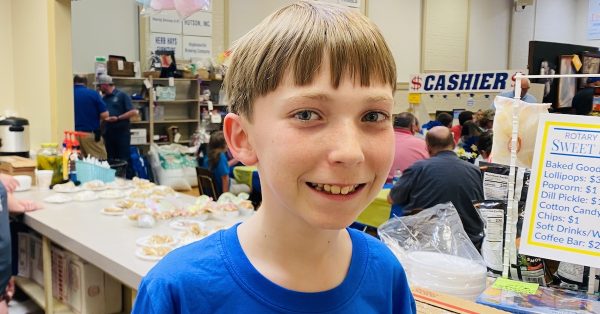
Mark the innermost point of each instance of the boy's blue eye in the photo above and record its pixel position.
(374, 116)
(306, 115)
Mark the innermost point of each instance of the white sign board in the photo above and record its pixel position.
(562, 218)
(198, 24)
(167, 42)
(197, 47)
(165, 22)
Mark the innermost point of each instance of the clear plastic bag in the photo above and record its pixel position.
(436, 252)
(529, 115)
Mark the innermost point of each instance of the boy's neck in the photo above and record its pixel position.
(294, 255)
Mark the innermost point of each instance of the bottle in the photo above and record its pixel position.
(48, 158)
(397, 176)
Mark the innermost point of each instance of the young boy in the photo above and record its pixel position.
(311, 92)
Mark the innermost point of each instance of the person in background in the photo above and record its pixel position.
(442, 119)
(8, 203)
(117, 134)
(484, 147)
(525, 84)
(311, 91)
(462, 118)
(216, 161)
(442, 178)
(90, 111)
(584, 99)
(409, 148)
(486, 122)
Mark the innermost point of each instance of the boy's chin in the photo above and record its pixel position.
(331, 223)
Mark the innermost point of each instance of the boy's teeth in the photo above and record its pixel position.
(327, 188)
(335, 189)
(345, 190)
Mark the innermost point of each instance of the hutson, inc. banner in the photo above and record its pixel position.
(456, 82)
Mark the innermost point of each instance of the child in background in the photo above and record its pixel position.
(216, 162)
(311, 98)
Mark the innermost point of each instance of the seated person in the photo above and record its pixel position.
(442, 178)
(216, 161)
(462, 118)
(442, 119)
(484, 146)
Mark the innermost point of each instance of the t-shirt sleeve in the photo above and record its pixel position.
(400, 192)
(152, 298)
(222, 168)
(100, 105)
(404, 302)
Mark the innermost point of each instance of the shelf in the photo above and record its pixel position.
(214, 105)
(140, 122)
(168, 143)
(36, 293)
(177, 101)
(140, 100)
(177, 121)
(141, 144)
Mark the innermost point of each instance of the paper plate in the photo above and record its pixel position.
(85, 196)
(139, 252)
(111, 194)
(113, 213)
(58, 198)
(184, 224)
(150, 242)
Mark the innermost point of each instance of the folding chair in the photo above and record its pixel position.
(206, 183)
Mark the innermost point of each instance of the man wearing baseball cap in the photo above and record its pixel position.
(117, 136)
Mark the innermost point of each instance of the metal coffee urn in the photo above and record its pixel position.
(14, 137)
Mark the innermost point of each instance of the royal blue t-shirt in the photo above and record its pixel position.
(215, 276)
(219, 170)
(88, 107)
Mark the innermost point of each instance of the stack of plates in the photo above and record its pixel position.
(447, 274)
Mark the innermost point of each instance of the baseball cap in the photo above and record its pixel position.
(103, 79)
(593, 80)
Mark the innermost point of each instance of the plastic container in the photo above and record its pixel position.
(88, 172)
(48, 158)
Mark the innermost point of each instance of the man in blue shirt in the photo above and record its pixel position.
(117, 136)
(525, 84)
(90, 110)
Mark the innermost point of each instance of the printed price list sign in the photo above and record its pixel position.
(562, 219)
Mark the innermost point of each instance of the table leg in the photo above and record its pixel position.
(129, 295)
(47, 267)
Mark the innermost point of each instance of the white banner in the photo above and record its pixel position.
(456, 82)
(165, 22)
(168, 42)
(197, 47)
(198, 24)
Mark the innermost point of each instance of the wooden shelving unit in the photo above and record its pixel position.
(37, 294)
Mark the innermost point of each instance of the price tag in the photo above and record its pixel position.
(171, 81)
(157, 65)
(120, 65)
(210, 105)
(414, 98)
(147, 84)
(515, 286)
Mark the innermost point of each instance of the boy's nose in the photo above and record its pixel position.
(346, 146)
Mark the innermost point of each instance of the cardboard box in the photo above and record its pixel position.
(24, 259)
(59, 273)
(431, 302)
(37, 262)
(90, 290)
(139, 136)
(16, 165)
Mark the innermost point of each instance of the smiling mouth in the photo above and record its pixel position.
(336, 189)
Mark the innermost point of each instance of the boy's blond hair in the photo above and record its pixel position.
(296, 38)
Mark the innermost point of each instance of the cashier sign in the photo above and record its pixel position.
(562, 217)
(456, 82)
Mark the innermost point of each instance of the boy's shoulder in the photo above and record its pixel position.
(379, 255)
(203, 256)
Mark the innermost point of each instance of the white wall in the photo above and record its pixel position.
(244, 15)
(400, 24)
(489, 25)
(102, 28)
(7, 94)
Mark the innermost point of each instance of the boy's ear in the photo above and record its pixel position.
(236, 135)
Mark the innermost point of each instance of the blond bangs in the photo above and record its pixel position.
(296, 39)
